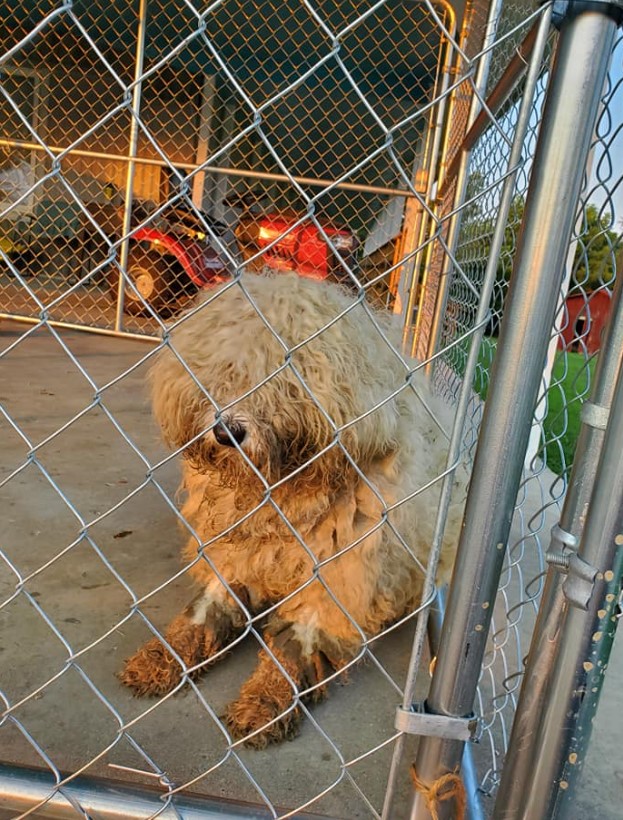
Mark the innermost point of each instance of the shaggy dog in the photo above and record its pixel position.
(304, 440)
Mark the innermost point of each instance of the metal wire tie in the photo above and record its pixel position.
(416, 721)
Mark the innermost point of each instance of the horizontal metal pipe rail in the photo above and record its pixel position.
(22, 789)
(213, 169)
(101, 331)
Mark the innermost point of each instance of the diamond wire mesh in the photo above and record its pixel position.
(86, 549)
(437, 255)
(509, 27)
(574, 347)
(77, 596)
(207, 77)
(431, 267)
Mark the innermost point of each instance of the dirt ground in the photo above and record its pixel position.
(88, 529)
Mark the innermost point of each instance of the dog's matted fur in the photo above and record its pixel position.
(302, 436)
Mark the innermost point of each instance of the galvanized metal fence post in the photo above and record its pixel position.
(592, 587)
(518, 778)
(569, 118)
(132, 154)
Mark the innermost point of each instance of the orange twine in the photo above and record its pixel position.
(448, 787)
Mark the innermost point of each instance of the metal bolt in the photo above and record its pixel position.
(560, 560)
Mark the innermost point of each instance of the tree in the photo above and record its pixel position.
(595, 255)
(594, 261)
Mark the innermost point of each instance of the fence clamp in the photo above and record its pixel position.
(416, 721)
(595, 415)
(580, 581)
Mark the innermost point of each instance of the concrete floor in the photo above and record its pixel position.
(72, 597)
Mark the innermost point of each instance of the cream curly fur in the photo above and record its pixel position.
(327, 452)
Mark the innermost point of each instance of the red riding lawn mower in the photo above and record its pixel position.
(170, 262)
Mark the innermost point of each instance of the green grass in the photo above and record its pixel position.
(571, 379)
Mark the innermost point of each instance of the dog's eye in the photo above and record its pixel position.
(237, 433)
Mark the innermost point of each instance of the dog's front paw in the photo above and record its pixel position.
(249, 719)
(266, 710)
(153, 670)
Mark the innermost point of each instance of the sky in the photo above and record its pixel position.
(605, 184)
(608, 164)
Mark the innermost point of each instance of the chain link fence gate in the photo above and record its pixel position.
(180, 143)
(488, 234)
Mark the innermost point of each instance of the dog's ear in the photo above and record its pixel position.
(179, 406)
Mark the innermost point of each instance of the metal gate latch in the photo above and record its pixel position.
(416, 721)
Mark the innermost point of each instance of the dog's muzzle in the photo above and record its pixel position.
(229, 433)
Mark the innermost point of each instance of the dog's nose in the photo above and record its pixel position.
(236, 433)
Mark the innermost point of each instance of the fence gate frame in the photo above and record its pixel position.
(584, 47)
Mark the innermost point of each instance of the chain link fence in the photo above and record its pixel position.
(520, 587)
(584, 307)
(157, 150)
(171, 116)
